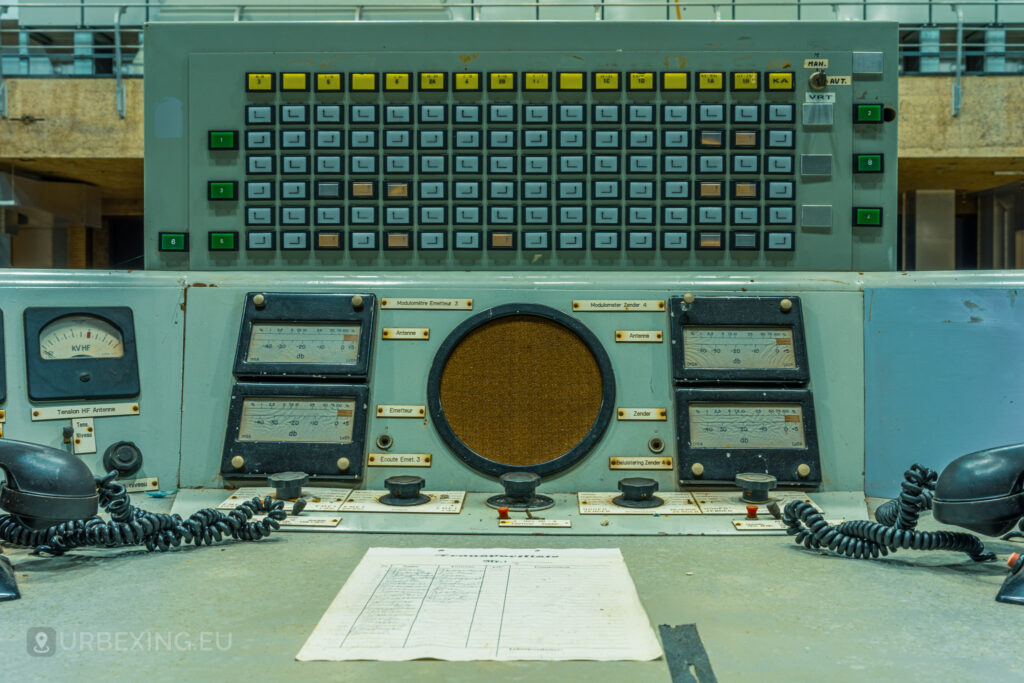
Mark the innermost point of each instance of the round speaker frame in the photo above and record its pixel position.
(567, 459)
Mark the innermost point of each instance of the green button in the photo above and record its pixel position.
(868, 163)
(173, 241)
(869, 113)
(222, 241)
(223, 139)
(868, 217)
(222, 190)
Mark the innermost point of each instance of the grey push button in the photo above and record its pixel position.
(328, 139)
(258, 165)
(536, 240)
(606, 138)
(780, 189)
(676, 139)
(744, 215)
(260, 240)
(780, 215)
(606, 189)
(570, 190)
(675, 240)
(710, 215)
(364, 113)
(816, 216)
(467, 139)
(780, 113)
(780, 164)
(745, 113)
(432, 241)
(432, 139)
(536, 113)
(467, 164)
(363, 164)
(258, 215)
(816, 164)
(467, 240)
(294, 215)
(712, 164)
(398, 164)
(641, 163)
(259, 190)
(401, 139)
(710, 113)
(328, 113)
(432, 113)
(328, 215)
(535, 190)
(745, 241)
(780, 139)
(397, 215)
(571, 164)
(294, 113)
(502, 215)
(817, 113)
(606, 113)
(676, 189)
(539, 165)
(502, 189)
(296, 139)
(571, 240)
(570, 113)
(571, 139)
(295, 241)
(431, 215)
(363, 241)
(640, 240)
(536, 138)
(432, 164)
(294, 190)
(467, 190)
(746, 163)
(501, 113)
(329, 164)
(641, 113)
(779, 241)
(606, 164)
(363, 215)
(641, 215)
(675, 113)
(641, 139)
(258, 114)
(606, 240)
(297, 165)
(537, 215)
(363, 139)
(467, 113)
(867, 63)
(641, 189)
(467, 215)
(502, 165)
(397, 113)
(676, 163)
(606, 215)
(676, 215)
(259, 139)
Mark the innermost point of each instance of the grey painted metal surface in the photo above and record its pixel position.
(196, 83)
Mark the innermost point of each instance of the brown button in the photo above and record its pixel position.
(362, 190)
(398, 190)
(745, 138)
(711, 138)
(710, 190)
(501, 240)
(328, 240)
(746, 190)
(709, 240)
(398, 240)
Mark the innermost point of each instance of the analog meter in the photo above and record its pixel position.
(80, 353)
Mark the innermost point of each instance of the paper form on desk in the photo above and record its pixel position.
(461, 604)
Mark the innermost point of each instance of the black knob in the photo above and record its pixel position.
(519, 486)
(123, 456)
(756, 486)
(288, 485)
(404, 489)
(638, 492)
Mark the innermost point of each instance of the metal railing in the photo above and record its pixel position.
(73, 39)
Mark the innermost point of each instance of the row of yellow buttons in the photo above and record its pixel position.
(535, 81)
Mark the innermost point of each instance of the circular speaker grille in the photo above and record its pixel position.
(530, 389)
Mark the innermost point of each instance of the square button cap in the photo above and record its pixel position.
(259, 82)
(364, 82)
(173, 241)
(222, 190)
(675, 81)
(467, 81)
(501, 81)
(780, 80)
(570, 81)
(328, 82)
(865, 113)
(223, 139)
(296, 81)
(867, 216)
(223, 241)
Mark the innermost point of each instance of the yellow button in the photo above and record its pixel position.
(710, 80)
(293, 82)
(606, 81)
(537, 81)
(641, 81)
(570, 81)
(397, 82)
(746, 80)
(364, 82)
(432, 81)
(328, 82)
(675, 81)
(260, 82)
(470, 81)
(780, 80)
(503, 81)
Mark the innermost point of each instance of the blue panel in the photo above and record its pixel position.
(944, 376)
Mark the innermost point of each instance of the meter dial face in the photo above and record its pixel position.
(296, 420)
(303, 343)
(754, 348)
(80, 336)
(747, 425)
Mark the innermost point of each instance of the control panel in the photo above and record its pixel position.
(521, 146)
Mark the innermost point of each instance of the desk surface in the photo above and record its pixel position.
(765, 609)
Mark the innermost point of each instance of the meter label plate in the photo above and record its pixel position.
(427, 304)
(398, 459)
(654, 462)
(619, 305)
(401, 411)
(42, 413)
